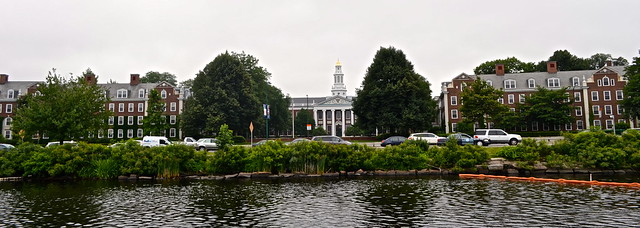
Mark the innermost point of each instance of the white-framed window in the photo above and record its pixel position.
(120, 120)
(112, 107)
(100, 133)
(129, 133)
(10, 94)
(163, 94)
(130, 108)
(594, 96)
(577, 97)
(489, 82)
(609, 124)
(597, 123)
(110, 133)
(531, 83)
(521, 98)
(8, 108)
(613, 82)
(568, 99)
(545, 127)
(454, 127)
(111, 120)
(172, 132)
(140, 133)
(599, 82)
(454, 100)
(173, 106)
(1, 108)
(510, 98)
(579, 125)
(608, 110)
(121, 107)
(553, 82)
(8, 121)
(122, 93)
(619, 95)
(523, 128)
(7, 134)
(534, 126)
(596, 110)
(454, 114)
(130, 120)
(172, 119)
(510, 84)
(140, 107)
(568, 127)
(141, 93)
(556, 127)
(120, 133)
(606, 95)
(140, 120)
(575, 81)
(512, 109)
(605, 81)
(620, 109)
(501, 100)
(579, 111)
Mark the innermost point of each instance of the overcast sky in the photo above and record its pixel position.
(298, 41)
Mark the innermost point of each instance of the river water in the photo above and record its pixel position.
(317, 202)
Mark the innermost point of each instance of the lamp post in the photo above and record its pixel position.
(307, 112)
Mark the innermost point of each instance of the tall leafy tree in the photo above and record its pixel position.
(631, 101)
(393, 97)
(480, 103)
(511, 65)
(222, 94)
(552, 107)
(566, 62)
(303, 118)
(155, 123)
(267, 94)
(154, 77)
(62, 109)
(599, 60)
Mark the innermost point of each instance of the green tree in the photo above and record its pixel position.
(599, 60)
(511, 65)
(353, 131)
(222, 94)
(155, 77)
(393, 97)
(566, 62)
(187, 83)
(155, 123)
(303, 118)
(631, 101)
(225, 137)
(318, 131)
(62, 109)
(480, 103)
(548, 106)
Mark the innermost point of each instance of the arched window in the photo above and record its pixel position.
(489, 82)
(163, 93)
(8, 121)
(605, 81)
(531, 83)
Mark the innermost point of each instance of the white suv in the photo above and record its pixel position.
(431, 138)
(484, 137)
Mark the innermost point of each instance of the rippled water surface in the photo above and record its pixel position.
(359, 202)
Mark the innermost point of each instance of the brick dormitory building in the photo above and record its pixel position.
(128, 102)
(597, 95)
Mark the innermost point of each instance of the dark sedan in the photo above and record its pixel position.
(462, 138)
(393, 141)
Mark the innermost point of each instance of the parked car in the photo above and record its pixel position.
(461, 138)
(431, 138)
(393, 141)
(6, 147)
(298, 140)
(207, 144)
(151, 141)
(189, 141)
(484, 137)
(330, 139)
(56, 143)
(261, 142)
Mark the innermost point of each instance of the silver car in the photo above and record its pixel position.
(207, 144)
(330, 139)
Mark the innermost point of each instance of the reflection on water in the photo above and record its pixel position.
(360, 202)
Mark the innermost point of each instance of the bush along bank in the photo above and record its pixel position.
(583, 151)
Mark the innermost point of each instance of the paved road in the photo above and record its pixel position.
(548, 140)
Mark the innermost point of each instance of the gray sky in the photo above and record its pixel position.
(300, 41)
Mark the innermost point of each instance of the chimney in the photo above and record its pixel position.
(4, 78)
(500, 69)
(552, 67)
(609, 62)
(90, 78)
(135, 79)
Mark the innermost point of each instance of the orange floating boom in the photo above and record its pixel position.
(482, 176)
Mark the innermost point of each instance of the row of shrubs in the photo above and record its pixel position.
(585, 150)
(98, 161)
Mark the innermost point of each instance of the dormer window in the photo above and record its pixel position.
(10, 94)
(510, 84)
(553, 82)
(141, 93)
(531, 83)
(489, 82)
(163, 94)
(575, 81)
(122, 93)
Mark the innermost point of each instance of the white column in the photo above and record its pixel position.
(333, 122)
(315, 117)
(446, 110)
(324, 123)
(587, 109)
(344, 121)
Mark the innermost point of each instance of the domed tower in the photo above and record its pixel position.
(338, 88)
